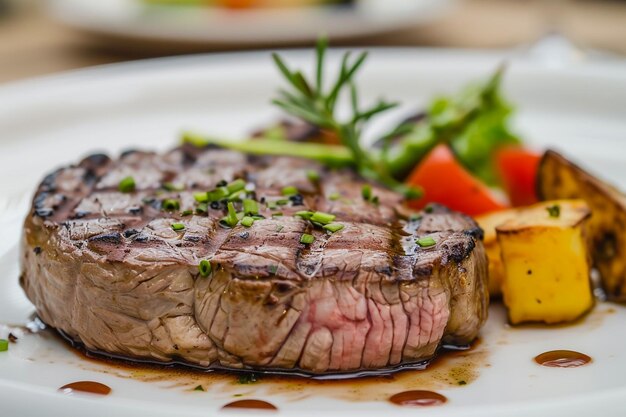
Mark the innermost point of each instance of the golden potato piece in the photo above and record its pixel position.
(546, 264)
(559, 178)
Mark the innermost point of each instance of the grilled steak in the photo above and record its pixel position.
(106, 267)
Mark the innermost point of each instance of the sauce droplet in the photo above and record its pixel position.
(562, 359)
(256, 404)
(90, 387)
(418, 398)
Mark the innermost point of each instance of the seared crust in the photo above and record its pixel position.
(107, 269)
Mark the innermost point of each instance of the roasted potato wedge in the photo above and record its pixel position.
(559, 178)
(546, 262)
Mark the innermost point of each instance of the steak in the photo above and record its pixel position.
(108, 269)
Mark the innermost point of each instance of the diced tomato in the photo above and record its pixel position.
(518, 170)
(445, 181)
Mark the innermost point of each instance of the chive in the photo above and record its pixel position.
(205, 268)
(307, 239)
(247, 221)
(4, 345)
(218, 194)
(201, 197)
(250, 206)
(127, 185)
(237, 196)
(170, 204)
(232, 215)
(333, 227)
(313, 176)
(306, 215)
(554, 211)
(170, 186)
(186, 213)
(236, 185)
(366, 192)
(426, 242)
(258, 217)
(429, 209)
(178, 226)
(334, 196)
(272, 269)
(277, 214)
(272, 205)
(282, 202)
(415, 217)
(198, 388)
(202, 208)
(321, 217)
(291, 190)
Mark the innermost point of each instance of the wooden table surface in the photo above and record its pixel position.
(32, 44)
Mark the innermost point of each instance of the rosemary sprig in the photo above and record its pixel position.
(317, 105)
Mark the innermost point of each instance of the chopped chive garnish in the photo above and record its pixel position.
(366, 192)
(205, 268)
(306, 215)
(186, 213)
(232, 218)
(178, 226)
(237, 196)
(218, 194)
(201, 197)
(250, 206)
(291, 190)
(247, 221)
(272, 205)
(272, 269)
(277, 214)
(282, 202)
(426, 242)
(236, 185)
(4, 345)
(170, 186)
(333, 227)
(127, 185)
(321, 217)
(202, 208)
(429, 209)
(258, 217)
(169, 204)
(554, 211)
(334, 196)
(198, 388)
(307, 239)
(313, 176)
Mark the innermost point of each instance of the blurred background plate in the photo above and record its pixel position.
(200, 24)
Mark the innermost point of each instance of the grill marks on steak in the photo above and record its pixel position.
(113, 274)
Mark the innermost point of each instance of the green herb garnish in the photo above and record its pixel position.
(426, 242)
(333, 227)
(205, 268)
(186, 213)
(334, 196)
(4, 345)
(201, 197)
(307, 239)
(198, 388)
(170, 186)
(177, 226)
(290, 190)
(247, 221)
(218, 194)
(306, 215)
(313, 176)
(127, 185)
(322, 218)
(236, 185)
(554, 211)
(232, 218)
(366, 192)
(250, 206)
(170, 204)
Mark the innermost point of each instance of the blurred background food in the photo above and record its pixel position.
(39, 37)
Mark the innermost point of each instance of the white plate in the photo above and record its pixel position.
(49, 122)
(133, 19)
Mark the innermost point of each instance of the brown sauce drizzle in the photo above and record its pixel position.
(254, 404)
(90, 387)
(562, 359)
(418, 398)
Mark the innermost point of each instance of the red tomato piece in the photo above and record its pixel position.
(518, 170)
(445, 181)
